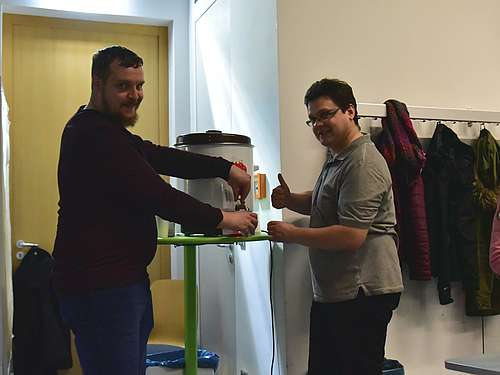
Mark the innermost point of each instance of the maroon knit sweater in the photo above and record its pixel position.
(110, 191)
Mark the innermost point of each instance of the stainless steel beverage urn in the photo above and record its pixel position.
(216, 191)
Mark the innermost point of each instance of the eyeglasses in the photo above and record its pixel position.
(323, 117)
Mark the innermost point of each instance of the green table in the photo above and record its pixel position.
(190, 299)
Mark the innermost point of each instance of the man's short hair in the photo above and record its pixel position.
(339, 91)
(103, 58)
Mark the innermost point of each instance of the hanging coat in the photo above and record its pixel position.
(486, 300)
(41, 344)
(402, 150)
(448, 178)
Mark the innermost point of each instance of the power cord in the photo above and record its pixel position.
(271, 302)
(271, 266)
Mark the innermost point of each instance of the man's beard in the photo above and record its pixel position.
(117, 118)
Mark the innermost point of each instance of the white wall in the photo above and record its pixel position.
(438, 53)
(235, 77)
(254, 60)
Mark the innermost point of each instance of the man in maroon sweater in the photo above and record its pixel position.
(110, 191)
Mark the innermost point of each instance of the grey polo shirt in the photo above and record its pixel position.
(355, 189)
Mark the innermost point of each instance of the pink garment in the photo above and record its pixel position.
(495, 241)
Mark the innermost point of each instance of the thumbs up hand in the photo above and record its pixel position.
(280, 197)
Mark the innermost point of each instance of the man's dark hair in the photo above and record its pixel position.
(103, 58)
(339, 91)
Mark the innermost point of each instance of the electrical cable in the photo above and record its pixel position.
(271, 302)
(271, 267)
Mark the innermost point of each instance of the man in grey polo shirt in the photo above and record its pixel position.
(352, 240)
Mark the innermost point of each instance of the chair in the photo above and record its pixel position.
(168, 309)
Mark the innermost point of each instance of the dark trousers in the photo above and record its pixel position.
(111, 328)
(348, 337)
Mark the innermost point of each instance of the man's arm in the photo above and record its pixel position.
(178, 163)
(240, 181)
(184, 164)
(188, 165)
(243, 221)
(334, 237)
(283, 198)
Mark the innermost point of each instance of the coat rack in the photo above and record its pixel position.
(434, 113)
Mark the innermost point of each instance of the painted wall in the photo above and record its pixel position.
(438, 53)
(235, 79)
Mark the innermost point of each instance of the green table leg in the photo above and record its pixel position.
(190, 313)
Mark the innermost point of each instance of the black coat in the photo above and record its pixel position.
(41, 343)
(448, 179)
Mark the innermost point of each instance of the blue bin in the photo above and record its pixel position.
(175, 359)
(393, 367)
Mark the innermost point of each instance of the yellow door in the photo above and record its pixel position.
(46, 76)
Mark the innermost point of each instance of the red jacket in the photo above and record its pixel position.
(403, 152)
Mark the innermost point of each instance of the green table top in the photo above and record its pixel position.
(202, 240)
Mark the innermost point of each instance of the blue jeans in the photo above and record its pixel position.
(111, 328)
